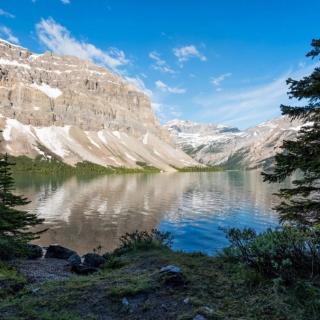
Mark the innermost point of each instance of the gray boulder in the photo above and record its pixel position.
(74, 260)
(93, 260)
(59, 252)
(171, 269)
(172, 275)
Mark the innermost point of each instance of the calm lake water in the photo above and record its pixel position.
(83, 213)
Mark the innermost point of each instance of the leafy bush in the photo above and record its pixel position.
(114, 262)
(9, 248)
(143, 240)
(288, 253)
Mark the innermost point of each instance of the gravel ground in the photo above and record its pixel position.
(41, 270)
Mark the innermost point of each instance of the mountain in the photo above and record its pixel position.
(230, 147)
(73, 110)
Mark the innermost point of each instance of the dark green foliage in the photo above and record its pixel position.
(287, 253)
(199, 169)
(301, 204)
(14, 223)
(143, 240)
(53, 165)
(147, 167)
(113, 262)
(9, 248)
(39, 165)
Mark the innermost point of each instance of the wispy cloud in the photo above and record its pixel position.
(165, 88)
(65, 1)
(216, 81)
(6, 14)
(249, 106)
(187, 52)
(6, 33)
(166, 112)
(58, 39)
(159, 64)
(138, 83)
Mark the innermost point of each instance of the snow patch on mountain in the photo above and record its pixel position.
(51, 92)
(216, 144)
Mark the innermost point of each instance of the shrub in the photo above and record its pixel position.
(288, 253)
(113, 262)
(143, 240)
(9, 248)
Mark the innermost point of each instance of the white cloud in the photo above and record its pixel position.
(139, 84)
(166, 112)
(6, 33)
(6, 14)
(159, 63)
(186, 53)
(165, 88)
(65, 1)
(58, 39)
(156, 106)
(248, 106)
(216, 81)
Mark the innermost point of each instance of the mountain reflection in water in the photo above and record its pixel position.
(85, 213)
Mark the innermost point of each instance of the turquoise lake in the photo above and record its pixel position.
(84, 213)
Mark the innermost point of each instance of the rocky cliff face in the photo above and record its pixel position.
(228, 146)
(75, 110)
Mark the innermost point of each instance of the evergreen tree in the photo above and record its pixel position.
(300, 204)
(14, 223)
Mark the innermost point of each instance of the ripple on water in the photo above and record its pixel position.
(83, 214)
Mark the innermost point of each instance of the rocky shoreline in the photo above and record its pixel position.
(56, 262)
(141, 282)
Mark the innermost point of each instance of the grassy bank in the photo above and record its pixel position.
(213, 287)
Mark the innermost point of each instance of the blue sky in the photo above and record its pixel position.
(206, 61)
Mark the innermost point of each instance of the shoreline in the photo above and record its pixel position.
(144, 283)
(55, 166)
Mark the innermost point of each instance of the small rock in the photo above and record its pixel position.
(164, 307)
(35, 290)
(172, 275)
(34, 251)
(83, 270)
(186, 300)
(93, 260)
(171, 269)
(125, 301)
(199, 317)
(207, 311)
(74, 260)
(59, 252)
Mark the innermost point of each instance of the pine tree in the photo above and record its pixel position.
(14, 223)
(300, 204)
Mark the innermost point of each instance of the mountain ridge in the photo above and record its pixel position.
(78, 111)
(230, 147)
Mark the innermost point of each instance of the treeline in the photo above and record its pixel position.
(49, 166)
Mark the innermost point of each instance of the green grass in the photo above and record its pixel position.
(215, 288)
(10, 281)
(7, 272)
